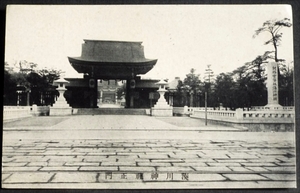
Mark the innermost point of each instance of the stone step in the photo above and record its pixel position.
(110, 111)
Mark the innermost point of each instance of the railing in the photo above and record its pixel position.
(242, 116)
(263, 108)
(15, 112)
(220, 115)
(190, 110)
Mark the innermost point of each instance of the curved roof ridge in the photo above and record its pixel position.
(116, 41)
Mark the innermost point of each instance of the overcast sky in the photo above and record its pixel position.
(181, 37)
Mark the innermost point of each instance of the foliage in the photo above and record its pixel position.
(224, 89)
(49, 75)
(273, 27)
(187, 89)
(25, 76)
(9, 88)
(256, 68)
(242, 88)
(285, 80)
(192, 80)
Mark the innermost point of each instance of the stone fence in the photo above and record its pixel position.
(241, 116)
(187, 110)
(17, 112)
(251, 120)
(264, 108)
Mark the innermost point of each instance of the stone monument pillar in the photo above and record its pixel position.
(272, 85)
(161, 108)
(61, 106)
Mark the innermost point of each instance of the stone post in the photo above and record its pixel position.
(185, 109)
(239, 114)
(116, 98)
(100, 98)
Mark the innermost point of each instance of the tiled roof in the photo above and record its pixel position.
(112, 51)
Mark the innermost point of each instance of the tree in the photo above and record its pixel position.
(256, 68)
(192, 80)
(9, 87)
(285, 81)
(224, 90)
(49, 75)
(209, 74)
(187, 89)
(27, 77)
(249, 79)
(192, 84)
(208, 87)
(273, 27)
(179, 100)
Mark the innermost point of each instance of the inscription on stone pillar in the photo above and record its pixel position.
(272, 84)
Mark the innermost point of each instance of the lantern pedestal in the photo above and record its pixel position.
(61, 106)
(161, 108)
(60, 110)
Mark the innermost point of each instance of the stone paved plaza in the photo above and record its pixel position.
(110, 151)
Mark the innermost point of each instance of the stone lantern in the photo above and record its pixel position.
(61, 106)
(161, 108)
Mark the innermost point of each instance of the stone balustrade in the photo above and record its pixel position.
(16, 112)
(188, 110)
(248, 116)
(264, 108)
(220, 115)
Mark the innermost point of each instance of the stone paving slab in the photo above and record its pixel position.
(213, 169)
(99, 168)
(245, 177)
(20, 169)
(279, 177)
(29, 177)
(56, 168)
(239, 169)
(160, 185)
(137, 169)
(164, 164)
(175, 168)
(82, 177)
(92, 168)
(89, 158)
